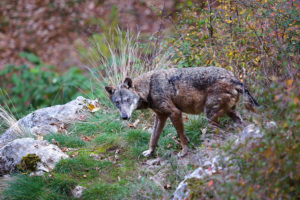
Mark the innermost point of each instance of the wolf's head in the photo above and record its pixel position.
(124, 98)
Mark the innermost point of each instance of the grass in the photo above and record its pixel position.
(107, 177)
(118, 150)
(24, 187)
(7, 120)
(105, 191)
(66, 141)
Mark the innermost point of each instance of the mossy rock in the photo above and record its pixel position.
(29, 163)
(195, 185)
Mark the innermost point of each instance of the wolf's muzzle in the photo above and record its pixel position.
(124, 116)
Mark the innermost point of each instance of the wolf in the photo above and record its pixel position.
(171, 92)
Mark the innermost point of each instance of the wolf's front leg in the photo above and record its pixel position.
(160, 122)
(176, 119)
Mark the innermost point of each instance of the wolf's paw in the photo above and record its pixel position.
(183, 152)
(188, 139)
(148, 153)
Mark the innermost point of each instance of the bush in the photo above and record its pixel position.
(268, 169)
(24, 88)
(255, 35)
(271, 168)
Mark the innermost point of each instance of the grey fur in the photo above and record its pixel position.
(170, 92)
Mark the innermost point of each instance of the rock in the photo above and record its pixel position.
(250, 132)
(4, 180)
(52, 119)
(271, 125)
(96, 156)
(12, 153)
(207, 169)
(155, 161)
(78, 191)
(212, 161)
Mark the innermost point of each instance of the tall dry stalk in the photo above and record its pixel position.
(7, 120)
(119, 55)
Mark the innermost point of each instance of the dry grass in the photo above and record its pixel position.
(117, 55)
(7, 120)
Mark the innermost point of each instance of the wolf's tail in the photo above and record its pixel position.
(249, 101)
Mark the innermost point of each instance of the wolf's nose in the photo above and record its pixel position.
(124, 116)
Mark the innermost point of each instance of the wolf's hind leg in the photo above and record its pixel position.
(213, 115)
(235, 116)
(176, 119)
(160, 122)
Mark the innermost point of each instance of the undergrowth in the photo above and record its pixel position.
(258, 40)
(106, 164)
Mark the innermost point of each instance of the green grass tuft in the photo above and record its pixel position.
(65, 140)
(137, 142)
(82, 165)
(194, 128)
(24, 187)
(105, 191)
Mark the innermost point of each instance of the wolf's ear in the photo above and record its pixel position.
(110, 90)
(128, 82)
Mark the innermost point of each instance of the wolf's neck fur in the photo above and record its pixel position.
(141, 86)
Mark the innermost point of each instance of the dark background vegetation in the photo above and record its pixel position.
(257, 39)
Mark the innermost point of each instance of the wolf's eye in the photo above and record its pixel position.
(117, 103)
(127, 100)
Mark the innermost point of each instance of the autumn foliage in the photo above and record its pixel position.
(259, 40)
(256, 35)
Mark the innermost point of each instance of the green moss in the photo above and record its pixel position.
(195, 185)
(28, 163)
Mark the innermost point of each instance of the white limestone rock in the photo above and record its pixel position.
(51, 119)
(12, 153)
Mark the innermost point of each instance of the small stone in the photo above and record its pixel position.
(78, 191)
(167, 186)
(271, 125)
(155, 161)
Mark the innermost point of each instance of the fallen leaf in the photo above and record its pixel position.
(289, 82)
(186, 119)
(130, 125)
(136, 123)
(210, 183)
(86, 138)
(148, 125)
(82, 117)
(39, 137)
(75, 154)
(92, 108)
(64, 149)
(54, 142)
(167, 186)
